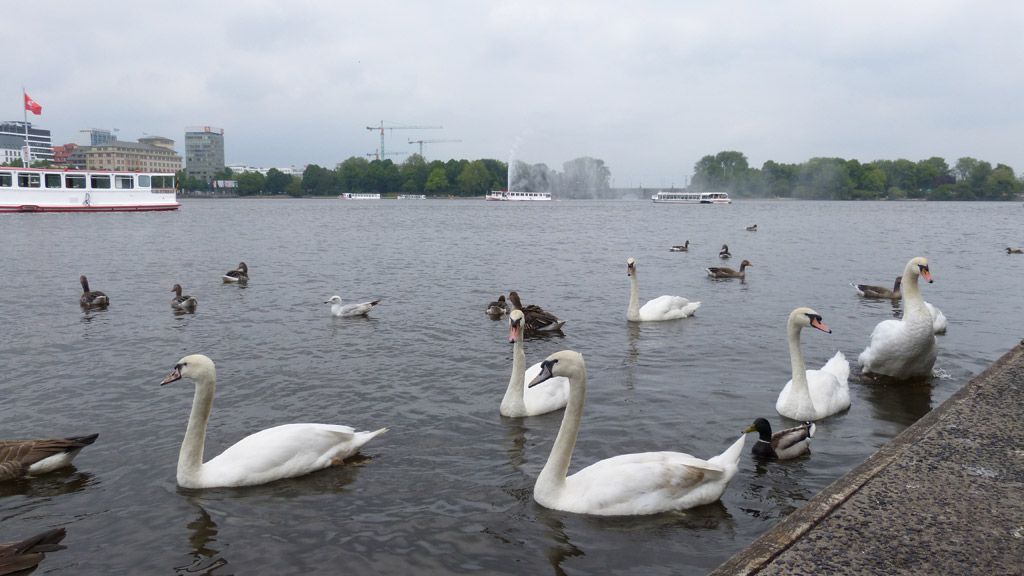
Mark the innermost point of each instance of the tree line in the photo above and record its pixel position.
(839, 179)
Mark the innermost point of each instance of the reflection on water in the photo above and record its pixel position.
(202, 532)
(557, 547)
(63, 481)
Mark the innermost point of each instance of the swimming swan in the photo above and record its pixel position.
(280, 452)
(20, 458)
(360, 309)
(812, 394)
(519, 400)
(782, 445)
(905, 348)
(661, 308)
(629, 484)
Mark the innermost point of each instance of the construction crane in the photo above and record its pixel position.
(376, 154)
(422, 142)
(382, 128)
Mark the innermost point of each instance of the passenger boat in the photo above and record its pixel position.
(691, 198)
(508, 196)
(412, 196)
(358, 196)
(60, 190)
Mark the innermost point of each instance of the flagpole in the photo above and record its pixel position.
(24, 109)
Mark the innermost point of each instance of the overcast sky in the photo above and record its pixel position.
(648, 87)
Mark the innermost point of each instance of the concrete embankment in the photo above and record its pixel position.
(944, 497)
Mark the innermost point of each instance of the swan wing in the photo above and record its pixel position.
(668, 308)
(900, 350)
(939, 322)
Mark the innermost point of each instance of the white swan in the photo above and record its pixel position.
(630, 484)
(905, 348)
(280, 452)
(180, 302)
(240, 274)
(939, 322)
(519, 400)
(20, 458)
(812, 394)
(360, 309)
(661, 308)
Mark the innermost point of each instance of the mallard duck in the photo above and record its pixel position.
(180, 302)
(629, 484)
(21, 557)
(681, 248)
(752, 228)
(92, 298)
(361, 309)
(660, 308)
(240, 274)
(20, 458)
(724, 252)
(723, 272)
(284, 451)
(1013, 250)
(498, 307)
(869, 291)
(812, 394)
(538, 320)
(782, 445)
(905, 348)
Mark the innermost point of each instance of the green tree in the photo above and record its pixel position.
(474, 179)
(276, 181)
(352, 174)
(250, 183)
(437, 182)
(318, 181)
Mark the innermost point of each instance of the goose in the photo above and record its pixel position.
(499, 307)
(520, 401)
(1013, 250)
(752, 228)
(723, 272)
(22, 556)
(240, 274)
(905, 348)
(538, 320)
(681, 248)
(284, 451)
(21, 458)
(869, 291)
(180, 302)
(629, 484)
(361, 309)
(784, 444)
(92, 298)
(812, 394)
(724, 252)
(661, 308)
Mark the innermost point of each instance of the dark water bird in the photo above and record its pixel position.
(752, 228)
(21, 458)
(180, 302)
(92, 298)
(782, 445)
(724, 252)
(869, 291)
(240, 274)
(1013, 250)
(537, 320)
(723, 272)
(498, 307)
(21, 557)
(681, 248)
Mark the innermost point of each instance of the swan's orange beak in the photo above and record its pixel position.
(629, 269)
(513, 332)
(926, 274)
(176, 375)
(820, 325)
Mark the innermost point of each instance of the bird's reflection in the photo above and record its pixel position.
(63, 481)
(202, 539)
(515, 434)
(900, 402)
(559, 548)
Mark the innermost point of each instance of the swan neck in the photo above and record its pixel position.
(190, 459)
(633, 312)
(513, 403)
(796, 358)
(552, 476)
(911, 291)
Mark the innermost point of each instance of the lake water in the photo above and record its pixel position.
(449, 489)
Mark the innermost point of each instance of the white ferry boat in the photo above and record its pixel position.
(412, 196)
(509, 196)
(60, 190)
(691, 198)
(358, 196)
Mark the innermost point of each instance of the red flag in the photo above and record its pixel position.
(32, 106)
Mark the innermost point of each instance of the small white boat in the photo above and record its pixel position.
(358, 196)
(412, 196)
(510, 196)
(60, 190)
(691, 198)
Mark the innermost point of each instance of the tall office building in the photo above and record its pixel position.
(38, 139)
(204, 151)
(94, 137)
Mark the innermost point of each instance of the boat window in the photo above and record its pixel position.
(99, 181)
(144, 181)
(123, 181)
(28, 180)
(52, 180)
(76, 181)
(6, 180)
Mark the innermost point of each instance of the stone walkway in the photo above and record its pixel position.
(945, 497)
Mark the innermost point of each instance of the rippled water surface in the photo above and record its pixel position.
(449, 488)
